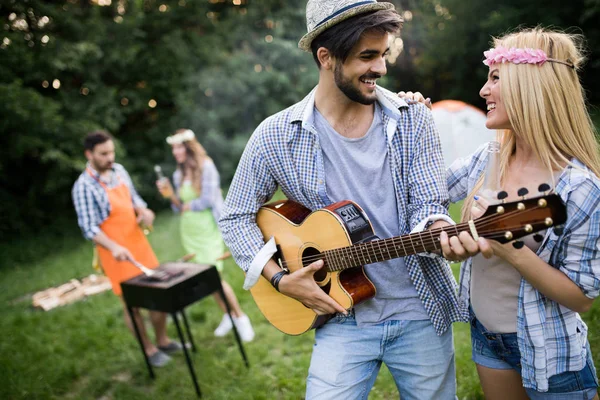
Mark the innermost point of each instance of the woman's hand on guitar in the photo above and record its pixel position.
(507, 251)
(301, 286)
(480, 205)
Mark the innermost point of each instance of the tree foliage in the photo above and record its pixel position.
(445, 39)
(143, 68)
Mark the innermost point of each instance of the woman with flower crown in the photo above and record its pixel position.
(528, 339)
(197, 196)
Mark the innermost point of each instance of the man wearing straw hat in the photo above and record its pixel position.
(351, 139)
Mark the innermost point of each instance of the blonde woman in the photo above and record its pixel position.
(197, 196)
(528, 339)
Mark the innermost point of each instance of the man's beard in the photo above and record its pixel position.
(100, 168)
(349, 89)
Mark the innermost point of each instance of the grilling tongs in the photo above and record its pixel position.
(145, 270)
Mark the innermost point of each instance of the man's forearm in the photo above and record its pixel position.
(440, 223)
(119, 252)
(104, 241)
(139, 209)
(270, 269)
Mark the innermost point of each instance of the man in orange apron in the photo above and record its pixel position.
(109, 211)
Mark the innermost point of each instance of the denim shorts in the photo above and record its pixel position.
(501, 351)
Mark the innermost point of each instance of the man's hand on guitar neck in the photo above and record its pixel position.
(459, 248)
(301, 285)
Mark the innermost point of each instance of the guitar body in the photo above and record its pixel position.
(300, 233)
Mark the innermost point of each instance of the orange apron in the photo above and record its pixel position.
(122, 228)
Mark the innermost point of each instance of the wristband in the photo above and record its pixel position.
(277, 277)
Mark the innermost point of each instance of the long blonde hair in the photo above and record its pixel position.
(194, 161)
(545, 105)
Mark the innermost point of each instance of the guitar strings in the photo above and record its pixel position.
(482, 225)
(357, 256)
(373, 251)
(364, 252)
(383, 245)
(358, 250)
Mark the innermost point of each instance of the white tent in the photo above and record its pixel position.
(461, 127)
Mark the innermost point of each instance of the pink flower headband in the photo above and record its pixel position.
(519, 56)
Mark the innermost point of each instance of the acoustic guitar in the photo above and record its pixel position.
(343, 237)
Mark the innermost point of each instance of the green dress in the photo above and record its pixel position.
(199, 231)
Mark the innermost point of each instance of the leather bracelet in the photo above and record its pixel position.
(277, 277)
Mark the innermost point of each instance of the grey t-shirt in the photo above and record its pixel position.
(359, 170)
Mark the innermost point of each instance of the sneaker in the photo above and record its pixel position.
(173, 347)
(159, 359)
(224, 327)
(244, 328)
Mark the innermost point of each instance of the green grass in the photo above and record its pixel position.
(83, 350)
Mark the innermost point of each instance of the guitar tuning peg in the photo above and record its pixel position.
(522, 192)
(502, 195)
(558, 230)
(543, 188)
(538, 238)
(517, 244)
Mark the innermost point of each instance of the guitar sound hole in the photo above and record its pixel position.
(311, 255)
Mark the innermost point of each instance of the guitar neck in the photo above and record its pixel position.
(387, 249)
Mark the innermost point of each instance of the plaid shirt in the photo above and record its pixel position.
(91, 200)
(552, 339)
(284, 151)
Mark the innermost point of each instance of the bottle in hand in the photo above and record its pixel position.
(164, 186)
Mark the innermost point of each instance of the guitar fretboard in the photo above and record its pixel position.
(387, 249)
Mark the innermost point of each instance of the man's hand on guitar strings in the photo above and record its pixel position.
(301, 286)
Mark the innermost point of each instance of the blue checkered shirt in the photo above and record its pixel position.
(91, 201)
(284, 151)
(552, 339)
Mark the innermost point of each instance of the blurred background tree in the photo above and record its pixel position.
(143, 68)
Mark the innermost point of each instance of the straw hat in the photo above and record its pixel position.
(323, 14)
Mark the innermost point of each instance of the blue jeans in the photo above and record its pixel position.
(501, 351)
(346, 360)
